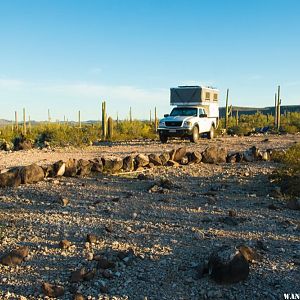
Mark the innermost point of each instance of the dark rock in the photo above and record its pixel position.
(141, 160)
(184, 160)
(84, 167)
(164, 157)
(228, 265)
(104, 263)
(109, 228)
(58, 169)
(249, 253)
(294, 204)
(15, 257)
(239, 157)
(97, 165)
(232, 213)
(273, 206)
(172, 163)
(142, 177)
(275, 193)
(261, 245)
(155, 159)
(214, 154)
(112, 164)
(89, 275)
(70, 168)
(166, 183)
(178, 154)
(194, 157)
(229, 221)
(48, 170)
(251, 154)
(64, 244)
(11, 178)
(91, 238)
(31, 174)
(128, 163)
(64, 201)
(231, 158)
(78, 275)
(51, 290)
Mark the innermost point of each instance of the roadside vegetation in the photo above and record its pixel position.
(63, 134)
(288, 175)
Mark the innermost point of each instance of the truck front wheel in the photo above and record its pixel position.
(195, 135)
(163, 138)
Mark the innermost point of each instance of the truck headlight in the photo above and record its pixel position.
(187, 123)
(162, 123)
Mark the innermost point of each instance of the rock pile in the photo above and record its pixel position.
(112, 164)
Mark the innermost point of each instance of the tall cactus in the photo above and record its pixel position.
(24, 122)
(110, 128)
(16, 121)
(130, 115)
(237, 117)
(104, 121)
(278, 108)
(226, 110)
(155, 119)
(275, 111)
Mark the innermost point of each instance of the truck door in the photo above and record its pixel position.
(205, 122)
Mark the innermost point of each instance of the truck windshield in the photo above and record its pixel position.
(184, 111)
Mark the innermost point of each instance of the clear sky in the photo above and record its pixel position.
(70, 55)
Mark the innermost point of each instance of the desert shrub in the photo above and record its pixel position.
(240, 130)
(290, 129)
(291, 159)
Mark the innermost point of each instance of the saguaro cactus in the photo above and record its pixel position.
(155, 119)
(104, 120)
(110, 124)
(16, 121)
(278, 108)
(130, 115)
(275, 111)
(226, 110)
(79, 119)
(237, 117)
(24, 122)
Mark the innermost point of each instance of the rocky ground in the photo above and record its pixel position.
(156, 235)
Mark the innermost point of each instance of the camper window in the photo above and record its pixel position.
(207, 96)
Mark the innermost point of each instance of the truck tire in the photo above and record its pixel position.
(211, 133)
(163, 138)
(195, 135)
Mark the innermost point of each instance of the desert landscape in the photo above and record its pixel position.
(150, 233)
(149, 150)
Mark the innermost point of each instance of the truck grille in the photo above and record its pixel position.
(174, 124)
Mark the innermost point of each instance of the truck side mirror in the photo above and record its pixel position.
(203, 116)
(166, 115)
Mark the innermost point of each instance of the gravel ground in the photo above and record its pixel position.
(169, 231)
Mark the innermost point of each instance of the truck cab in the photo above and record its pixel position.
(196, 112)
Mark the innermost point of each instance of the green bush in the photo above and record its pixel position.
(291, 159)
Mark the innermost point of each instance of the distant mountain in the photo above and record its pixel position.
(263, 110)
(4, 122)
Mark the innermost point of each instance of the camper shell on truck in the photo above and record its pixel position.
(196, 112)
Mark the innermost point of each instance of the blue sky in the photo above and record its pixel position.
(71, 55)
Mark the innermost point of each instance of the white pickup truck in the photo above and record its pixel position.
(196, 112)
